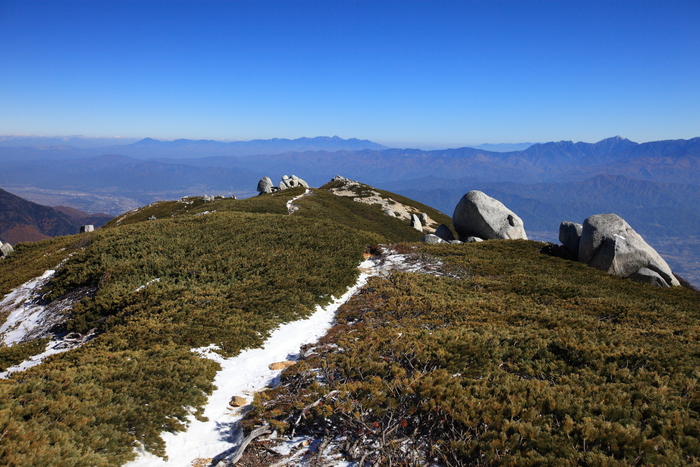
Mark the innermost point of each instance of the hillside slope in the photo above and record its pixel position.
(24, 221)
(508, 355)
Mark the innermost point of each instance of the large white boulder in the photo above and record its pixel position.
(479, 215)
(609, 243)
(265, 185)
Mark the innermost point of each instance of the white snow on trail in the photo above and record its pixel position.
(291, 207)
(204, 443)
(243, 375)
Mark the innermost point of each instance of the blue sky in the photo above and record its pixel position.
(402, 73)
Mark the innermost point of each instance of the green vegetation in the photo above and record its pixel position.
(513, 358)
(31, 259)
(366, 191)
(268, 204)
(11, 356)
(524, 359)
(225, 278)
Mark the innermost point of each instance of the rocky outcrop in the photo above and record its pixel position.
(361, 193)
(87, 228)
(265, 184)
(609, 243)
(416, 223)
(479, 215)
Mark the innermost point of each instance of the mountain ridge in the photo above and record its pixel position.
(446, 344)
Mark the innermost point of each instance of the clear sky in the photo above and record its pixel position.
(402, 73)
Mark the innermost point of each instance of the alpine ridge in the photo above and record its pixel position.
(452, 353)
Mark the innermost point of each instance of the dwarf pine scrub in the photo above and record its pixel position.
(526, 360)
(163, 287)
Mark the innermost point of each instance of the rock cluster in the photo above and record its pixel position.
(5, 249)
(265, 184)
(607, 242)
(479, 216)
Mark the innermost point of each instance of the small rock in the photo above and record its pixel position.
(444, 233)
(472, 239)
(281, 365)
(647, 276)
(237, 401)
(431, 238)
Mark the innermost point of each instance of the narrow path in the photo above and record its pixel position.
(205, 443)
(242, 376)
(291, 207)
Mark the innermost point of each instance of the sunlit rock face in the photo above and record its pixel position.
(479, 215)
(609, 243)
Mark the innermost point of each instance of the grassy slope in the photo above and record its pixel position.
(225, 278)
(524, 360)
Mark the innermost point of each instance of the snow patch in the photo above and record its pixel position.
(55, 346)
(291, 207)
(25, 314)
(140, 288)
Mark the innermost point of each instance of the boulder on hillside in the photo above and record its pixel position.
(444, 233)
(265, 185)
(432, 238)
(5, 249)
(479, 215)
(415, 222)
(570, 237)
(87, 228)
(609, 243)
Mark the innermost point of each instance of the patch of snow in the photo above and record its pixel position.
(25, 314)
(140, 288)
(55, 346)
(29, 317)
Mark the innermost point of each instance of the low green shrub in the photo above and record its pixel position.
(525, 360)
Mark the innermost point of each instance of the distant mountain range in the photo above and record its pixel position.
(503, 147)
(149, 148)
(120, 182)
(24, 221)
